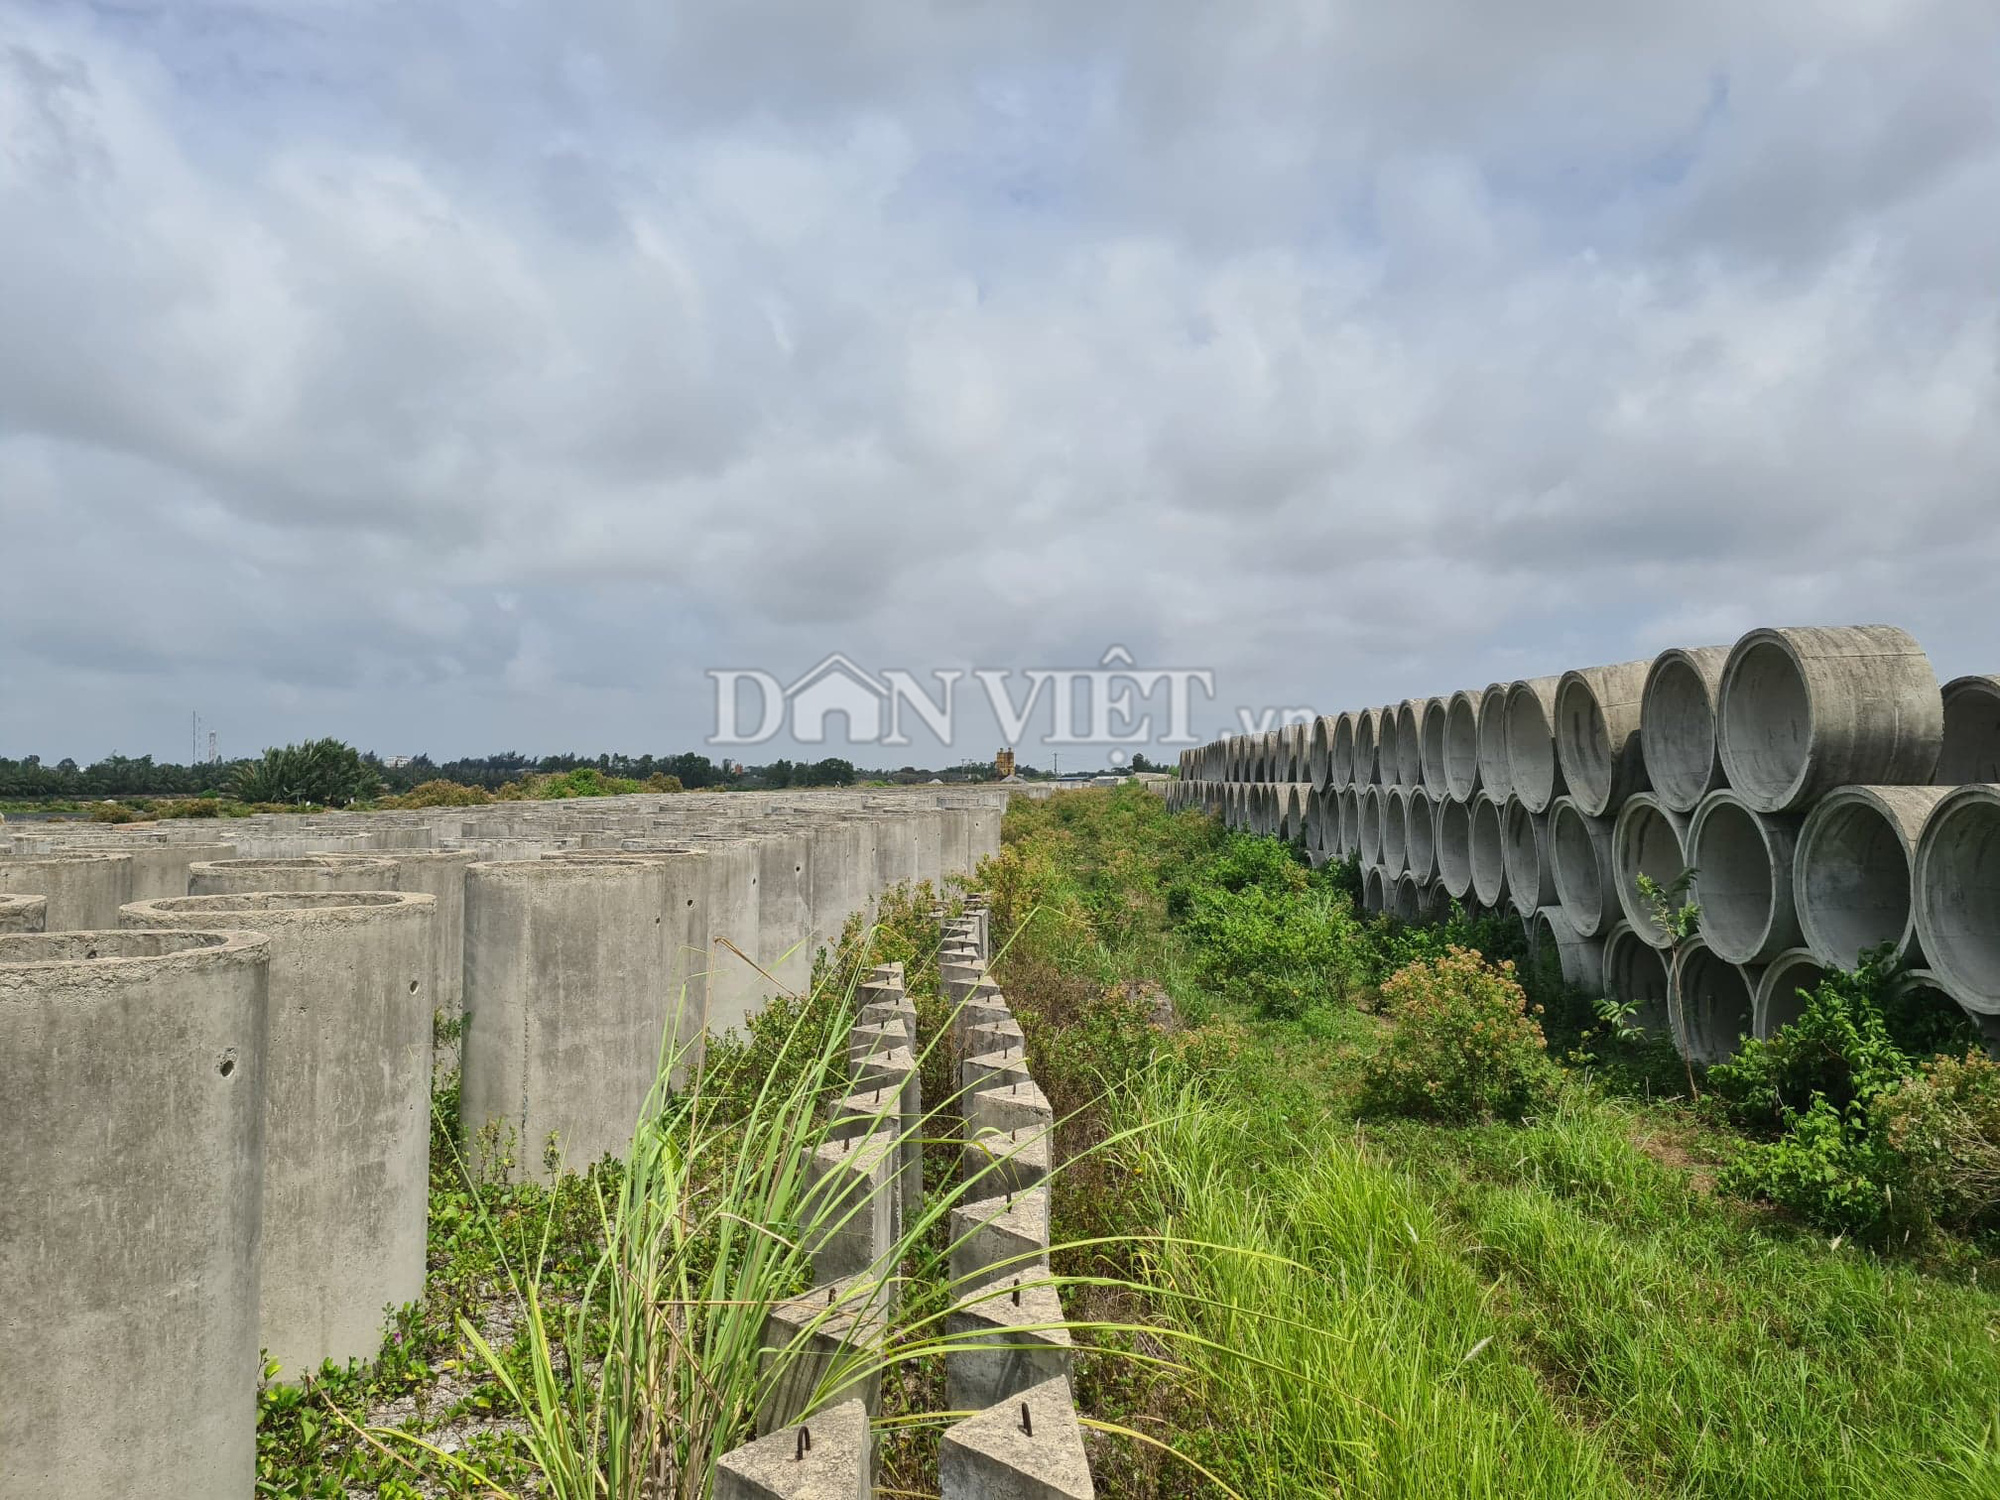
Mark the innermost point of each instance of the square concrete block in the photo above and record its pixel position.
(823, 1337)
(1004, 1454)
(898, 1012)
(1006, 1161)
(994, 1070)
(828, 1457)
(1017, 1106)
(1004, 1339)
(999, 1238)
(873, 1039)
(855, 1187)
(979, 1010)
(996, 1036)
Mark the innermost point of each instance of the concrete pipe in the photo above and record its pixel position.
(1636, 971)
(1269, 754)
(347, 1119)
(1430, 736)
(1779, 1000)
(1580, 859)
(1524, 843)
(1597, 735)
(1496, 776)
(440, 874)
(1340, 753)
(1533, 774)
(1420, 834)
(1369, 822)
(1853, 870)
(1743, 862)
(1460, 755)
(1581, 958)
(1395, 831)
(1718, 1004)
(1971, 732)
(1410, 741)
(82, 891)
(1489, 853)
(1454, 848)
(1350, 823)
(1677, 719)
(1319, 750)
(161, 869)
(23, 913)
(308, 872)
(132, 1066)
(1298, 738)
(1406, 899)
(1647, 839)
(1805, 710)
(1367, 746)
(1388, 746)
(1958, 896)
(1374, 891)
(1927, 989)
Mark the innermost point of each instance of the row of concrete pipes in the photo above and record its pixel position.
(217, 1073)
(1008, 1349)
(1826, 793)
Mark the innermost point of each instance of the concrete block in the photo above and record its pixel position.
(1007, 1161)
(829, 1457)
(1004, 1339)
(823, 1345)
(1008, 1453)
(1017, 1106)
(1001, 1237)
(132, 1075)
(440, 874)
(346, 1109)
(82, 891)
(996, 1036)
(868, 1040)
(854, 1186)
(993, 1070)
(978, 1010)
(900, 1011)
(306, 872)
(23, 913)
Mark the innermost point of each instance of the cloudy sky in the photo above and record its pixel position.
(463, 377)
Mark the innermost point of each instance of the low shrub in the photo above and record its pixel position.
(112, 812)
(1465, 1045)
(1278, 951)
(438, 792)
(189, 807)
(1945, 1125)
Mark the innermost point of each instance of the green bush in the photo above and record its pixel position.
(1276, 951)
(1829, 1168)
(438, 792)
(112, 812)
(1465, 1045)
(1945, 1125)
(324, 772)
(189, 807)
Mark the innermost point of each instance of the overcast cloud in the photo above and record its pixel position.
(461, 377)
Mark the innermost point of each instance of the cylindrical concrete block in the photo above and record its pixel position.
(1489, 852)
(440, 874)
(23, 913)
(1597, 735)
(1495, 775)
(1524, 842)
(1532, 770)
(1971, 732)
(1718, 1004)
(1319, 751)
(1958, 896)
(1420, 835)
(1853, 870)
(1805, 710)
(565, 1012)
(1454, 848)
(1432, 715)
(1677, 719)
(1461, 744)
(83, 891)
(306, 872)
(1743, 862)
(1779, 1001)
(1580, 860)
(1410, 741)
(1395, 831)
(1368, 803)
(1367, 746)
(132, 1075)
(1388, 744)
(1580, 958)
(346, 1109)
(1637, 972)
(1647, 839)
(1374, 891)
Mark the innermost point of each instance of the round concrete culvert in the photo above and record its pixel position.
(1461, 744)
(1580, 958)
(1718, 1004)
(1533, 773)
(1496, 776)
(1373, 898)
(1454, 848)
(1677, 725)
(1647, 839)
(1778, 1000)
(1805, 710)
(1743, 878)
(1369, 800)
(1431, 716)
(1971, 732)
(1636, 971)
(1319, 751)
(1420, 834)
(1367, 745)
(1854, 866)
(1407, 899)
(1395, 831)
(1388, 755)
(23, 913)
(1580, 862)
(1524, 839)
(1597, 735)
(1340, 754)
(1958, 896)
(1489, 853)
(1348, 803)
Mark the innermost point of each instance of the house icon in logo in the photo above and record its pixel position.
(836, 686)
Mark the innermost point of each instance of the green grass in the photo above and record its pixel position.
(1560, 1308)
